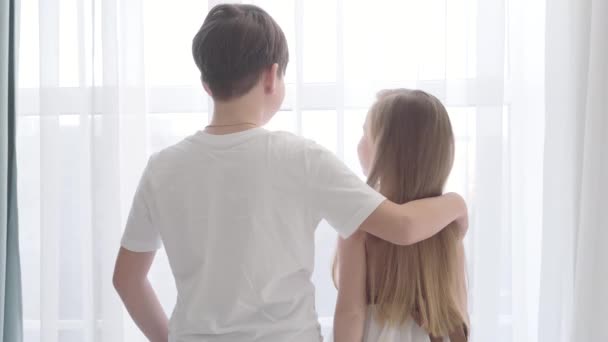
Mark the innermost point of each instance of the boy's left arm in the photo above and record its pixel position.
(131, 283)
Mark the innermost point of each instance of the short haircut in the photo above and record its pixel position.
(234, 45)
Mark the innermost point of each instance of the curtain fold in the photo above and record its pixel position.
(591, 268)
(11, 328)
(574, 280)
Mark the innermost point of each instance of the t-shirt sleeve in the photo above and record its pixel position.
(338, 195)
(141, 232)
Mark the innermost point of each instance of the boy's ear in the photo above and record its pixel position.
(271, 78)
(207, 89)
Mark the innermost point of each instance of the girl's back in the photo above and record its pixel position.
(408, 331)
(379, 255)
(415, 292)
(422, 285)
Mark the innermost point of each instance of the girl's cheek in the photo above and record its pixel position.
(363, 150)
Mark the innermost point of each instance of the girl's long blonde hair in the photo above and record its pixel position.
(414, 153)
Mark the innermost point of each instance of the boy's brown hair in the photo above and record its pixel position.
(234, 45)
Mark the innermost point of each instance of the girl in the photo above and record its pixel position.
(416, 293)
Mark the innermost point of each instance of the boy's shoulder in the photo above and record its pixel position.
(176, 151)
(294, 139)
(174, 158)
(285, 144)
(295, 144)
(286, 136)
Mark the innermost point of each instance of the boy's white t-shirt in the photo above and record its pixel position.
(236, 214)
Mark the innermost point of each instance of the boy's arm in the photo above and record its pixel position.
(418, 220)
(131, 283)
(351, 306)
(349, 204)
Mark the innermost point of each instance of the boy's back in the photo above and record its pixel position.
(237, 214)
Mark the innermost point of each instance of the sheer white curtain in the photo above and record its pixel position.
(104, 83)
(574, 300)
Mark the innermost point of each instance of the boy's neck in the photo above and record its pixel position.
(236, 115)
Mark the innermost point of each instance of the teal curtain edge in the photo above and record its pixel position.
(13, 306)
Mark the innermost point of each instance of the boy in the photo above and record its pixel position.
(236, 206)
